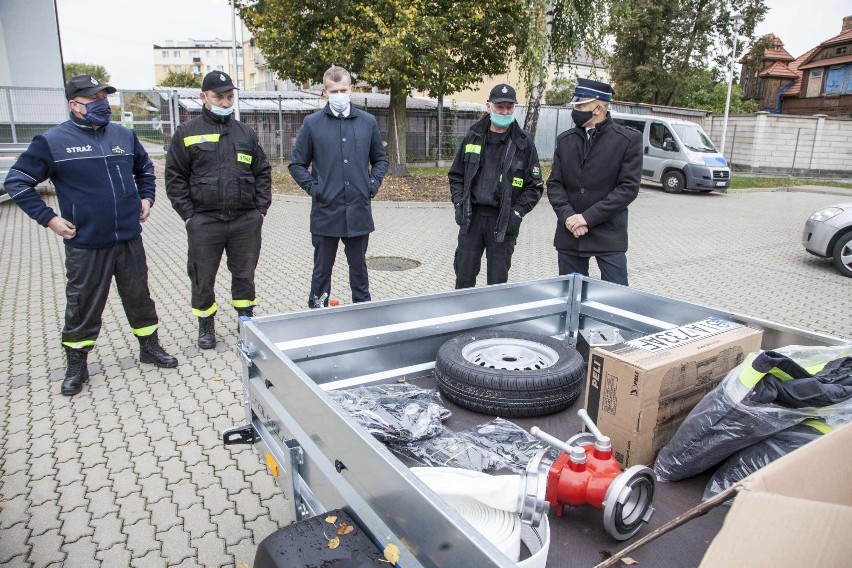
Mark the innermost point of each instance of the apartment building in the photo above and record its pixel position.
(197, 56)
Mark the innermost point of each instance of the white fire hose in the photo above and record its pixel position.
(491, 504)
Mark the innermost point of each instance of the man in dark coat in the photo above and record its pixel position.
(220, 183)
(597, 167)
(495, 180)
(343, 148)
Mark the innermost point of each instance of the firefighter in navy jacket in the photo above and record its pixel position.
(220, 183)
(495, 180)
(104, 183)
(339, 160)
(596, 172)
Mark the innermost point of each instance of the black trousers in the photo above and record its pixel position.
(325, 251)
(90, 273)
(478, 239)
(613, 266)
(208, 238)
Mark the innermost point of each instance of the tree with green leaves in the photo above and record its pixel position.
(436, 46)
(554, 31)
(662, 49)
(99, 72)
(181, 79)
(560, 92)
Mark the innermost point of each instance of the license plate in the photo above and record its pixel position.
(720, 184)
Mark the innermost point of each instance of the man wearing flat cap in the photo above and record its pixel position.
(220, 183)
(596, 171)
(495, 180)
(104, 183)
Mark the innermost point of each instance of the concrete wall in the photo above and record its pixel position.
(29, 54)
(785, 144)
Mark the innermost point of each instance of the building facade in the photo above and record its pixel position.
(198, 57)
(817, 82)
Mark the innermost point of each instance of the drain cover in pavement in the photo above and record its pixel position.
(394, 263)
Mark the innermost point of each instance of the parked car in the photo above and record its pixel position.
(828, 233)
(678, 154)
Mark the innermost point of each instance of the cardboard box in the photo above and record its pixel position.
(795, 512)
(639, 392)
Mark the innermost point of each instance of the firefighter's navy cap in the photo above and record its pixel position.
(502, 93)
(218, 82)
(85, 86)
(589, 90)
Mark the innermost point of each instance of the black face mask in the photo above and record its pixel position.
(581, 117)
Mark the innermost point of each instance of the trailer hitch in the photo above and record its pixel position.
(240, 435)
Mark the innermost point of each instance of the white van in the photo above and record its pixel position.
(678, 154)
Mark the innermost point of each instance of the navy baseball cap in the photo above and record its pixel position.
(218, 82)
(85, 86)
(502, 93)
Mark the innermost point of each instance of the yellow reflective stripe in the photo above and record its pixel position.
(748, 376)
(199, 138)
(244, 158)
(779, 374)
(145, 331)
(473, 149)
(814, 369)
(205, 313)
(818, 425)
(243, 303)
(517, 182)
(78, 344)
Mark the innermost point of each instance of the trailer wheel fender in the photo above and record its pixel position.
(509, 373)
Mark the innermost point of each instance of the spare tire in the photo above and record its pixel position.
(509, 373)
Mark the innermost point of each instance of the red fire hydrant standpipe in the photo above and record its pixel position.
(587, 474)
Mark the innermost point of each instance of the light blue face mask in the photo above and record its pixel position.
(502, 120)
(219, 111)
(338, 101)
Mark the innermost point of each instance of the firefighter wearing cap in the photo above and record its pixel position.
(104, 183)
(597, 166)
(495, 180)
(220, 183)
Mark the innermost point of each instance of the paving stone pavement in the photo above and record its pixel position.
(131, 472)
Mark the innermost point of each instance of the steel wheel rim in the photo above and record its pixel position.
(510, 354)
(846, 255)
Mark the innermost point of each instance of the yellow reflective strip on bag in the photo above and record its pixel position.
(243, 303)
(199, 138)
(78, 344)
(145, 331)
(205, 313)
(473, 149)
(748, 376)
(517, 182)
(244, 158)
(818, 425)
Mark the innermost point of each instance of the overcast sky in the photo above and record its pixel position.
(120, 34)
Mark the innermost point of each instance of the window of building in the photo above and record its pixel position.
(218, 53)
(178, 68)
(209, 69)
(196, 69)
(195, 54)
(239, 69)
(207, 53)
(176, 54)
(838, 80)
(220, 68)
(165, 55)
(165, 68)
(842, 50)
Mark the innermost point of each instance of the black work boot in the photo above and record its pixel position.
(150, 351)
(206, 333)
(76, 373)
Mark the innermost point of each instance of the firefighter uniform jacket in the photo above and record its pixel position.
(519, 179)
(600, 186)
(101, 177)
(216, 166)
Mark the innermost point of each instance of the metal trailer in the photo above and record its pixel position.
(327, 461)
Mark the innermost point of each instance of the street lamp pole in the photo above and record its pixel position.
(738, 20)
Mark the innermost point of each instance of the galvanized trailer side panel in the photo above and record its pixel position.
(329, 461)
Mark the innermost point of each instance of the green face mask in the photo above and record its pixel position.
(502, 120)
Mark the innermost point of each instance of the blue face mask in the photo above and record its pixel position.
(219, 111)
(338, 101)
(98, 112)
(502, 120)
